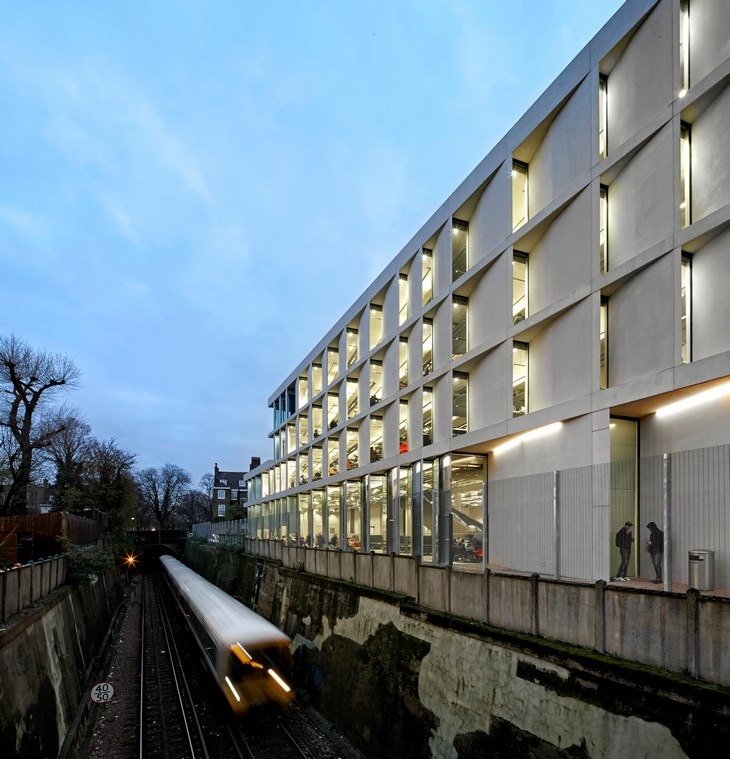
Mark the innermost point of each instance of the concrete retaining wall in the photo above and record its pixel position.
(402, 680)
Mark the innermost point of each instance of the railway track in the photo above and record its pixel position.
(182, 714)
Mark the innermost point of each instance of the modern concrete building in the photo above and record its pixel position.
(513, 371)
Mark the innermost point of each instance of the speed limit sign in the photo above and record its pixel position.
(102, 693)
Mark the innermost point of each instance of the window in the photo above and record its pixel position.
(333, 455)
(317, 419)
(303, 390)
(376, 382)
(686, 285)
(426, 275)
(402, 298)
(351, 338)
(316, 462)
(519, 286)
(333, 364)
(378, 513)
(353, 458)
(333, 516)
(333, 409)
(291, 438)
(519, 194)
(353, 503)
(403, 427)
(427, 416)
(603, 229)
(519, 378)
(376, 324)
(459, 248)
(376, 438)
(316, 379)
(303, 429)
(353, 398)
(403, 361)
(685, 166)
(221, 495)
(459, 403)
(602, 116)
(405, 505)
(683, 47)
(459, 326)
(427, 346)
(603, 338)
(291, 472)
(304, 468)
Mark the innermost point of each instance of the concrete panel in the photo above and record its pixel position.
(488, 225)
(641, 200)
(11, 593)
(567, 612)
(404, 568)
(650, 627)
(510, 602)
(45, 578)
(709, 36)
(641, 83)
(382, 571)
(492, 295)
(710, 160)
(642, 324)
(565, 153)
(363, 568)
(560, 262)
(714, 652)
(710, 304)
(468, 597)
(24, 587)
(433, 587)
(490, 387)
(560, 367)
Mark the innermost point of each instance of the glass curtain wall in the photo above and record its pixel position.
(402, 298)
(353, 397)
(333, 455)
(353, 500)
(378, 513)
(317, 378)
(333, 408)
(519, 194)
(295, 536)
(333, 364)
(519, 378)
(376, 382)
(460, 403)
(403, 427)
(405, 508)
(352, 346)
(303, 391)
(318, 515)
(429, 506)
(333, 517)
(519, 287)
(403, 362)
(376, 438)
(316, 462)
(427, 346)
(459, 248)
(353, 452)
(305, 519)
(426, 275)
(427, 416)
(376, 324)
(468, 477)
(459, 326)
(317, 420)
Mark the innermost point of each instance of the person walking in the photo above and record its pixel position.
(624, 541)
(655, 546)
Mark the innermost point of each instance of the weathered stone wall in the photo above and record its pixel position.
(46, 656)
(401, 681)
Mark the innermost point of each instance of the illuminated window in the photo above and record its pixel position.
(316, 379)
(403, 427)
(353, 448)
(403, 361)
(519, 286)
(291, 438)
(352, 346)
(427, 416)
(603, 338)
(303, 468)
(686, 309)
(333, 409)
(317, 421)
(353, 398)
(316, 462)
(333, 516)
(602, 116)
(378, 513)
(683, 47)
(333, 364)
(685, 166)
(459, 326)
(376, 324)
(402, 298)
(333, 455)
(520, 205)
(519, 378)
(303, 429)
(427, 346)
(303, 390)
(376, 438)
(459, 403)
(376, 382)
(426, 275)
(603, 229)
(459, 248)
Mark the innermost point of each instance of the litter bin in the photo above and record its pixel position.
(702, 569)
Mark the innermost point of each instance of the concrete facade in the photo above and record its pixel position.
(611, 193)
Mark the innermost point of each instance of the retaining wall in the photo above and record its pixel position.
(19, 588)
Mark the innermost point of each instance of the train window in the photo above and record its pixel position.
(237, 669)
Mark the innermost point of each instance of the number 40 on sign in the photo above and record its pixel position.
(102, 693)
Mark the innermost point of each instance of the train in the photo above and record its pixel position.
(249, 657)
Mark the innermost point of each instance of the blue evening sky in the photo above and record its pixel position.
(193, 193)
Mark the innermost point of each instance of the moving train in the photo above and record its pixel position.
(249, 657)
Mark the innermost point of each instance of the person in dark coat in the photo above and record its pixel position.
(655, 546)
(624, 541)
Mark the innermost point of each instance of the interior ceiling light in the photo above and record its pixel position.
(694, 400)
(531, 435)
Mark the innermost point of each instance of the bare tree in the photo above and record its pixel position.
(29, 379)
(206, 488)
(161, 493)
(108, 483)
(195, 507)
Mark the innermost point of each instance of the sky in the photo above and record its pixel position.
(193, 193)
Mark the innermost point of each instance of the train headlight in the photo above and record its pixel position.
(233, 690)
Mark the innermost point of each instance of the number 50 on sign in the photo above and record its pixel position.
(101, 693)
